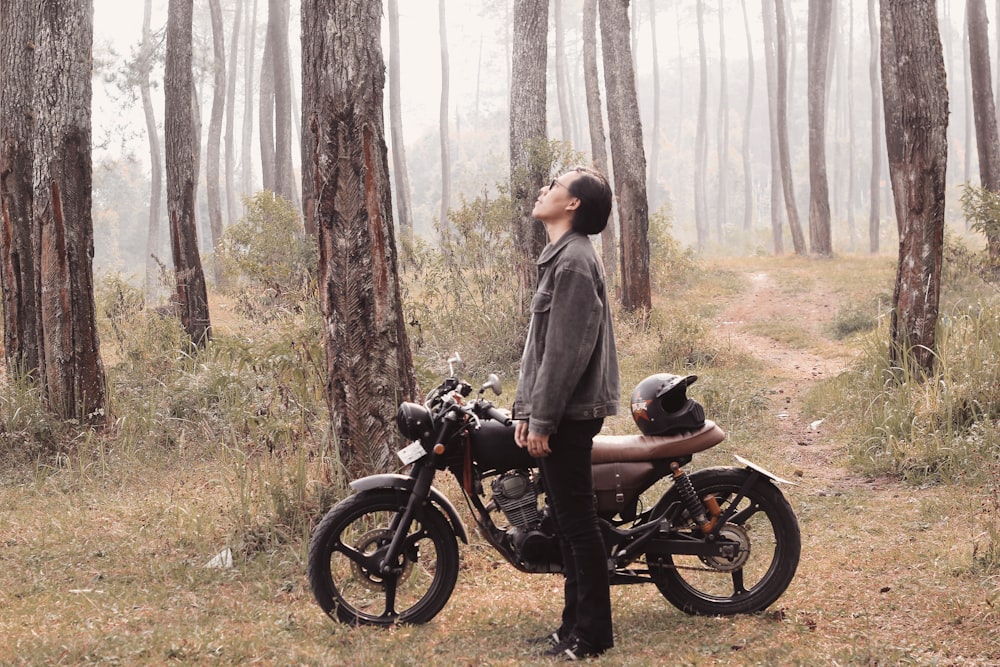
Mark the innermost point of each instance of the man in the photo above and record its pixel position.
(568, 383)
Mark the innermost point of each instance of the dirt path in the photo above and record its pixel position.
(817, 462)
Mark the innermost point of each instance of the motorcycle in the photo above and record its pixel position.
(718, 541)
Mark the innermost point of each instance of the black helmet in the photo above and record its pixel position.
(413, 420)
(660, 405)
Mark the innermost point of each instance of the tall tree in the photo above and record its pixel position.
(443, 116)
(368, 362)
(627, 154)
(73, 370)
(874, 190)
(701, 134)
(652, 180)
(230, 141)
(916, 122)
(528, 171)
(249, 86)
(399, 170)
(595, 122)
(18, 240)
(770, 66)
(181, 157)
(984, 109)
(747, 124)
(215, 130)
(265, 111)
(784, 153)
(147, 57)
(818, 44)
(722, 146)
(562, 82)
(277, 30)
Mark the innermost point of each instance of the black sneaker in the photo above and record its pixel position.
(548, 640)
(573, 648)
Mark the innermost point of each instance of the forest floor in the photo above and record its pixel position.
(105, 565)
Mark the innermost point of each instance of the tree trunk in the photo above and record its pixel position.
(874, 190)
(916, 122)
(770, 67)
(627, 154)
(984, 109)
(747, 113)
(153, 241)
(787, 186)
(722, 147)
(967, 99)
(652, 184)
(400, 172)
(701, 135)
(232, 208)
(181, 151)
(528, 171)
(265, 113)
(18, 240)
(74, 372)
(215, 132)
(818, 44)
(595, 122)
(443, 117)
(249, 85)
(852, 189)
(277, 29)
(565, 126)
(368, 362)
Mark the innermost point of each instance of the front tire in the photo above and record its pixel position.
(347, 546)
(764, 526)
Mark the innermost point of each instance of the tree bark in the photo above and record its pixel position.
(627, 154)
(399, 169)
(562, 83)
(916, 122)
(265, 113)
(874, 183)
(249, 85)
(368, 362)
(722, 146)
(215, 132)
(818, 44)
(787, 186)
(443, 117)
(652, 184)
(181, 151)
(984, 109)
(277, 29)
(18, 240)
(770, 67)
(528, 171)
(595, 122)
(74, 372)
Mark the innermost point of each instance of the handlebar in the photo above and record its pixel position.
(493, 413)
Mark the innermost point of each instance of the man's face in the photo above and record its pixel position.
(554, 199)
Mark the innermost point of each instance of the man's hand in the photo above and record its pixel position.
(537, 445)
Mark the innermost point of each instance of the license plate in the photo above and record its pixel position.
(412, 452)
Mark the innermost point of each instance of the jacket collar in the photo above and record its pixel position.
(552, 249)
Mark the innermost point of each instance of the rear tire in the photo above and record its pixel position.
(346, 548)
(765, 526)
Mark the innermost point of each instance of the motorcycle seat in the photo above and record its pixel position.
(614, 448)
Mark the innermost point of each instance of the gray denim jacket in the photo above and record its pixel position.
(570, 367)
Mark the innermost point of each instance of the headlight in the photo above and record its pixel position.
(413, 421)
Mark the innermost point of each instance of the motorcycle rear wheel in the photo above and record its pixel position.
(765, 526)
(345, 551)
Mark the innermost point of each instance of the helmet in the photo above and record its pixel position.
(413, 420)
(660, 405)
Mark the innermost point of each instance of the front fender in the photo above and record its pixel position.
(404, 483)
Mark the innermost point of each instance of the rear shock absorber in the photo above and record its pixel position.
(696, 508)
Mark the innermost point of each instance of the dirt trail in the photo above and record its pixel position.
(816, 462)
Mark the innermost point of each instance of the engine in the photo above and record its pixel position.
(516, 494)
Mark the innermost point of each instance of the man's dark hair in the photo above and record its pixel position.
(594, 193)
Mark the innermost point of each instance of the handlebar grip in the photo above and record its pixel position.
(495, 414)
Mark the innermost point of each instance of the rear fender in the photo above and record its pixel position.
(766, 473)
(404, 483)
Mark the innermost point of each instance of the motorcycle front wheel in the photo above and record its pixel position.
(350, 543)
(766, 531)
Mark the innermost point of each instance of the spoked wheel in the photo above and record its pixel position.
(767, 542)
(350, 543)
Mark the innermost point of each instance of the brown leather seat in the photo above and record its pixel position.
(612, 448)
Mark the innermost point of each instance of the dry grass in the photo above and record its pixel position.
(105, 562)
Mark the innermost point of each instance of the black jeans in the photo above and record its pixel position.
(570, 487)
